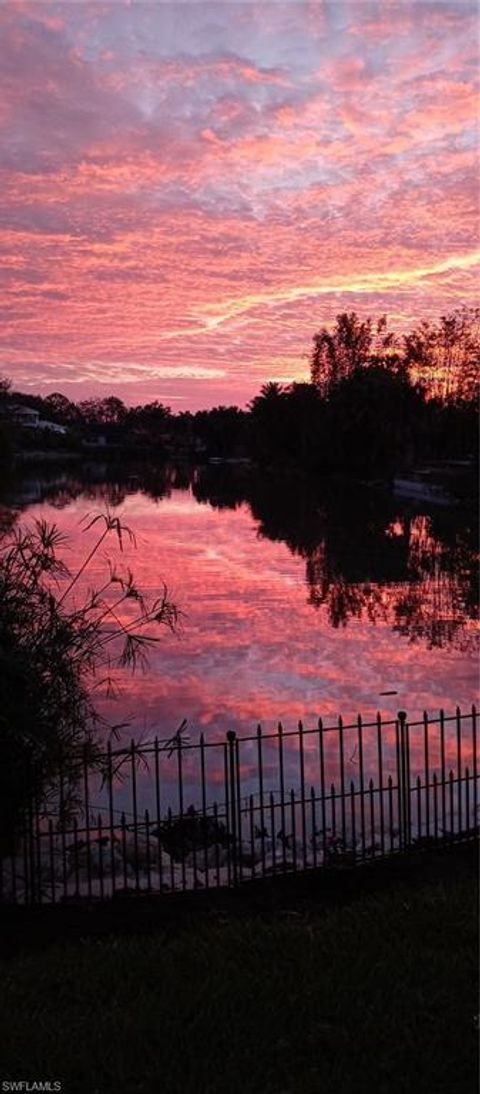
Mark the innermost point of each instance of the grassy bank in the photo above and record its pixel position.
(378, 995)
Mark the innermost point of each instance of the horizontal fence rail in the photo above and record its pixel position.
(174, 816)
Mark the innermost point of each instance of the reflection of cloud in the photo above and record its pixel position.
(250, 648)
(195, 194)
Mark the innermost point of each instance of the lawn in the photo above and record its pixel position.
(379, 995)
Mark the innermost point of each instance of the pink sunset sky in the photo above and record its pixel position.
(190, 190)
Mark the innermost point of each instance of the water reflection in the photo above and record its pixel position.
(366, 559)
(298, 601)
(423, 586)
(102, 483)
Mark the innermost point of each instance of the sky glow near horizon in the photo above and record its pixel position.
(190, 190)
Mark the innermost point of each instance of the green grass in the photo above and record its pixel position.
(377, 996)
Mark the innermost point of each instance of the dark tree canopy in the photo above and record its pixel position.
(353, 343)
(55, 649)
(445, 356)
(61, 409)
(108, 411)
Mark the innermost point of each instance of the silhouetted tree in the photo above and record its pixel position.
(61, 409)
(152, 417)
(445, 356)
(5, 389)
(109, 411)
(222, 430)
(6, 440)
(268, 425)
(353, 343)
(371, 420)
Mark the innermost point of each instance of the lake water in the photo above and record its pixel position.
(296, 603)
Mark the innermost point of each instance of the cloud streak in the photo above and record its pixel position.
(205, 191)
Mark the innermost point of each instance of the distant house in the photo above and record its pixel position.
(28, 418)
(25, 416)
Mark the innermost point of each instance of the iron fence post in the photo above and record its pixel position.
(404, 781)
(31, 842)
(232, 820)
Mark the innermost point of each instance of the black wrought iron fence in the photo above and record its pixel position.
(168, 816)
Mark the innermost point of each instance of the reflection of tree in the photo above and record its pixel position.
(428, 615)
(363, 560)
(8, 519)
(426, 588)
(436, 600)
(354, 564)
(222, 487)
(102, 483)
(441, 607)
(343, 601)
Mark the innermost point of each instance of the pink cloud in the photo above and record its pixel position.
(203, 195)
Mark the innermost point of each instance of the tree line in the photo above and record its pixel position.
(376, 401)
